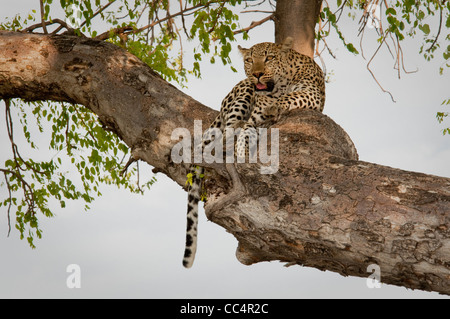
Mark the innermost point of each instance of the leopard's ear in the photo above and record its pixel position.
(287, 44)
(243, 50)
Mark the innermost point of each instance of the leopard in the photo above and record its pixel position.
(278, 80)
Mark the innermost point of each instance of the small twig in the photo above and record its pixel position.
(85, 125)
(106, 35)
(15, 150)
(98, 12)
(403, 63)
(184, 12)
(130, 161)
(257, 11)
(27, 192)
(340, 9)
(217, 17)
(254, 24)
(321, 27)
(361, 44)
(141, 13)
(47, 23)
(373, 75)
(138, 178)
(10, 197)
(183, 22)
(328, 48)
(317, 49)
(439, 29)
(44, 27)
(388, 47)
(398, 56)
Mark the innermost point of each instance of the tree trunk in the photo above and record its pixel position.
(323, 208)
(297, 19)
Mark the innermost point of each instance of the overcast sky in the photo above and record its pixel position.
(131, 246)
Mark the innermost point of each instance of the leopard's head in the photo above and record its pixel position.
(264, 64)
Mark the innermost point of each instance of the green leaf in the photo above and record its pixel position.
(352, 49)
(390, 11)
(189, 179)
(425, 28)
(420, 15)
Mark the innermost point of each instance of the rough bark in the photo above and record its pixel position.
(323, 208)
(297, 19)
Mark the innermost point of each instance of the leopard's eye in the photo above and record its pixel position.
(249, 60)
(270, 58)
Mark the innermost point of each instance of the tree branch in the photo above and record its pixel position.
(182, 12)
(373, 75)
(44, 27)
(439, 29)
(322, 209)
(100, 10)
(254, 24)
(62, 24)
(8, 186)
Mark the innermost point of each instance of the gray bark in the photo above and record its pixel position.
(323, 208)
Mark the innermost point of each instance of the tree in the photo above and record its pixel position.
(326, 209)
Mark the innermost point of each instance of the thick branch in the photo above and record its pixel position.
(323, 208)
(327, 210)
(297, 19)
(128, 97)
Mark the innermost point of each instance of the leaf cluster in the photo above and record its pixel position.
(152, 30)
(393, 21)
(78, 143)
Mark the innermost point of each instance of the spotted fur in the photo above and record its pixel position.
(194, 194)
(284, 80)
(278, 79)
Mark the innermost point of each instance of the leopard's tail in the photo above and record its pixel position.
(194, 196)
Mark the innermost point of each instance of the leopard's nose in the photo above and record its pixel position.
(258, 74)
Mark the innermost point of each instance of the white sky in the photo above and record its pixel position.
(131, 246)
